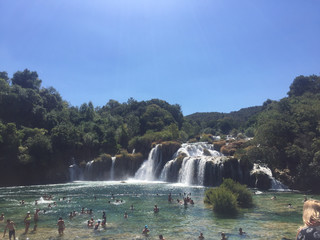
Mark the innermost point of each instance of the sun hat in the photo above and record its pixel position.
(146, 226)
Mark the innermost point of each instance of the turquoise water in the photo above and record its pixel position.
(269, 219)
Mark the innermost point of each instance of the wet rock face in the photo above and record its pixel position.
(260, 180)
(188, 163)
(168, 150)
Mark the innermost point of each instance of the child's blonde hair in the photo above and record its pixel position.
(311, 212)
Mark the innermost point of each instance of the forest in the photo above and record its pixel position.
(41, 134)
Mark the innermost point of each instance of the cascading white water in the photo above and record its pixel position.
(201, 170)
(196, 149)
(192, 170)
(73, 169)
(112, 168)
(275, 184)
(151, 165)
(165, 170)
(186, 173)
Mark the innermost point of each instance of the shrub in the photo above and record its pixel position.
(228, 197)
(244, 196)
(223, 201)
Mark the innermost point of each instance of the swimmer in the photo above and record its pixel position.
(161, 237)
(131, 207)
(27, 221)
(103, 223)
(223, 236)
(289, 205)
(2, 217)
(36, 202)
(273, 197)
(169, 198)
(145, 230)
(241, 232)
(61, 226)
(201, 237)
(11, 227)
(70, 215)
(125, 215)
(156, 209)
(36, 219)
(97, 225)
(91, 222)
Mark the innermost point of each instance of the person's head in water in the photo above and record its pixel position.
(311, 213)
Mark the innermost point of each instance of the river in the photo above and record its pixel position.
(268, 219)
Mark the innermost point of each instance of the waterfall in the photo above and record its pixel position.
(88, 173)
(192, 164)
(74, 172)
(112, 168)
(275, 184)
(197, 149)
(151, 166)
(201, 170)
(192, 169)
(187, 171)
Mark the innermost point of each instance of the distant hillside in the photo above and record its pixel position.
(242, 115)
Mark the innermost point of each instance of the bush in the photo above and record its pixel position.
(228, 197)
(244, 196)
(223, 201)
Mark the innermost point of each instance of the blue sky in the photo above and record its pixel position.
(206, 55)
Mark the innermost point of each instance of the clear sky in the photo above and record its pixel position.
(206, 55)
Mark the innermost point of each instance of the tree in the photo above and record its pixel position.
(303, 84)
(4, 76)
(26, 79)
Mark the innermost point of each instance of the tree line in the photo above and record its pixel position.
(42, 134)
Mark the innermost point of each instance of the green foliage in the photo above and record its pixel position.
(228, 197)
(26, 79)
(224, 202)
(303, 84)
(287, 134)
(244, 196)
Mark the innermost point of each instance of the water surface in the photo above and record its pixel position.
(269, 219)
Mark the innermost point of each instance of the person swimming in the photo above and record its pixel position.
(156, 209)
(201, 237)
(145, 230)
(241, 232)
(96, 226)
